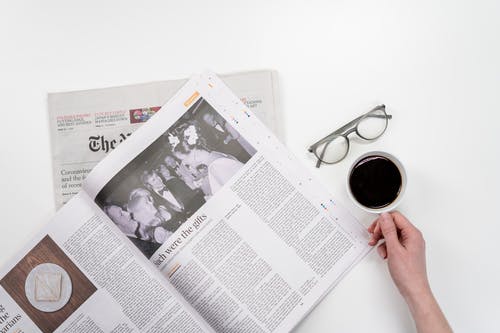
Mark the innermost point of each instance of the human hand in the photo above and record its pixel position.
(404, 249)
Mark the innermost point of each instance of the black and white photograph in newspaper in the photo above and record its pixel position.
(154, 194)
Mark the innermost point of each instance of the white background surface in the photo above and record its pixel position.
(435, 64)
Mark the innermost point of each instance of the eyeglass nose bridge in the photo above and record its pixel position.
(352, 130)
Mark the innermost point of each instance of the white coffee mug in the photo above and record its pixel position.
(401, 170)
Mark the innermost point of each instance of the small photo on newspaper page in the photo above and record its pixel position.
(154, 194)
(47, 285)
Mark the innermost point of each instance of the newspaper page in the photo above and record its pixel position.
(86, 125)
(81, 275)
(214, 200)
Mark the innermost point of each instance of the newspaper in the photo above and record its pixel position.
(201, 221)
(86, 125)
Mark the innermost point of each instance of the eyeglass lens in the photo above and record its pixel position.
(372, 125)
(333, 150)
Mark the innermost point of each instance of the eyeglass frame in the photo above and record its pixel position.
(344, 131)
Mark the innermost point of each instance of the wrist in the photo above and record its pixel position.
(417, 292)
(419, 299)
(426, 312)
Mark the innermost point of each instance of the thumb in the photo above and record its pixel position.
(389, 231)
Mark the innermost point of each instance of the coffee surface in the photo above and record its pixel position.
(375, 182)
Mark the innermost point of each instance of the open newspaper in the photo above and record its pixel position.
(86, 125)
(201, 221)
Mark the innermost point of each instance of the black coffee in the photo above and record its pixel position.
(375, 182)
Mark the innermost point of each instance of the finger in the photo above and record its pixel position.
(376, 235)
(401, 221)
(372, 227)
(376, 231)
(389, 232)
(382, 251)
(408, 231)
(372, 241)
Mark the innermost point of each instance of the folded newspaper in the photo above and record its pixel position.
(201, 221)
(86, 125)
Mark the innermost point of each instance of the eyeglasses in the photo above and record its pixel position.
(334, 147)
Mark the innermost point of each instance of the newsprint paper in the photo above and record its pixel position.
(86, 125)
(201, 221)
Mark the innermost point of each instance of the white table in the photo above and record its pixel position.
(435, 64)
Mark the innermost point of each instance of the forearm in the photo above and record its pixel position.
(427, 313)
